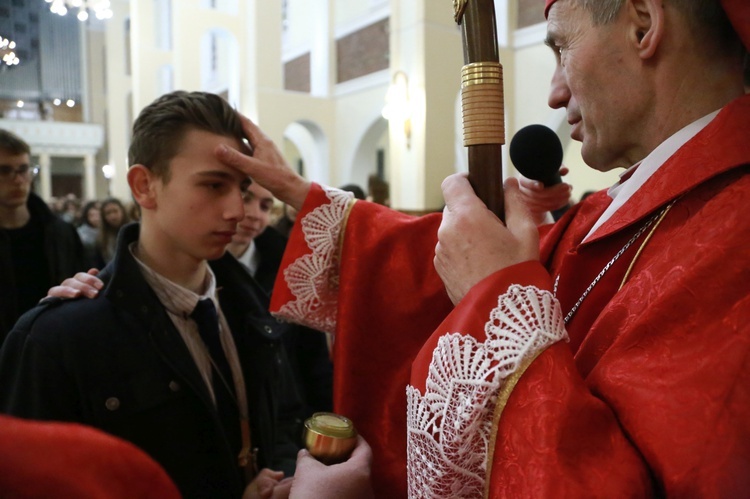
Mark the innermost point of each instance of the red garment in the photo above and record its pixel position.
(652, 394)
(72, 461)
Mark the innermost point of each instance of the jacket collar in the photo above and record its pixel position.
(38, 209)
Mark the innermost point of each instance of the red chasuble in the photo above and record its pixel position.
(43, 459)
(648, 394)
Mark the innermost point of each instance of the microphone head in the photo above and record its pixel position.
(537, 154)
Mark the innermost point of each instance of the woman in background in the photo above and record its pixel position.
(88, 231)
(113, 216)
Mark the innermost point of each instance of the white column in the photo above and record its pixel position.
(89, 176)
(426, 45)
(45, 176)
(322, 51)
(119, 108)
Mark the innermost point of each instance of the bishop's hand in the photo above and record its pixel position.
(473, 243)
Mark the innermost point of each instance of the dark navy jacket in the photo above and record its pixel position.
(118, 363)
(62, 250)
(307, 348)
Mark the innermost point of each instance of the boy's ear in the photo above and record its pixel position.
(141, 181)
(646, 26)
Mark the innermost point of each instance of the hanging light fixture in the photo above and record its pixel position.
(397, 108)
(7, 52)
(101, 9)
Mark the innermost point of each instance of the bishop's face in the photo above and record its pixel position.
(596, 80)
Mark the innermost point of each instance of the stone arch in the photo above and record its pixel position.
(371, 155)
(311, 146)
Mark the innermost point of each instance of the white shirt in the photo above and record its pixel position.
(250, 258)
(179, 303)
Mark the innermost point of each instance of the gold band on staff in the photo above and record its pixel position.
(483, 100)
(478, 67)
(482, 103)
(482, 123)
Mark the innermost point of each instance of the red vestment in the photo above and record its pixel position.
(41, 459)
(651, 395)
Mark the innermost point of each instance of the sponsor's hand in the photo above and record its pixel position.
(82, 284)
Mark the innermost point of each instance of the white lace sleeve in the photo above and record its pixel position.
(314, 279)
(449, 427)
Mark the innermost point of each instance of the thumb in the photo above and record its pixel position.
(306, 460)
(458, 191)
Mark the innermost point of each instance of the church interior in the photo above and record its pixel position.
(362, 92)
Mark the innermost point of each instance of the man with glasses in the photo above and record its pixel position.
(37, 249)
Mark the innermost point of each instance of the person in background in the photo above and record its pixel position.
(259, 248)
(606, 354)
(71, 209)
(285, 223)
(36, 247)
(358, 192)
(133, 211)
(113, 218)
(177, 355)
(88, 231)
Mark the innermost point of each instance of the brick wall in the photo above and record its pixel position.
(363, 52)
(297, 74)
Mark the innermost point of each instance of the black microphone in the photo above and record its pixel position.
(537, 154)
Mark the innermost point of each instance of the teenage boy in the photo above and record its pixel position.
(135, 362)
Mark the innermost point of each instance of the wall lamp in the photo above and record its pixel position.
(397, 108)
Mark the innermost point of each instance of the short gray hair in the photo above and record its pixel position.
(707, 19)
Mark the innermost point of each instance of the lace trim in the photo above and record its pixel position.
(449, 427)
(313, 279)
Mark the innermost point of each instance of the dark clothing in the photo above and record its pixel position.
(27, 259)
(283, 226)
(270, 245)
(89, 236)
(34, 258)
(118, 363)
(307, 348)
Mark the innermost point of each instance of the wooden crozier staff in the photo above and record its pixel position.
(482, 100)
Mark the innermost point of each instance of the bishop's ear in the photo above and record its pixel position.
(142, 185)
(646, 25)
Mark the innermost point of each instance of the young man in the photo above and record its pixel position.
(259, 248)
(205, 397)
(37, 249)
(612, 359)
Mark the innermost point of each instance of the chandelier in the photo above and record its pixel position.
(100, 8)
(7, 52)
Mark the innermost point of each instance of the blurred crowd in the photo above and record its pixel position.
(97, 222)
